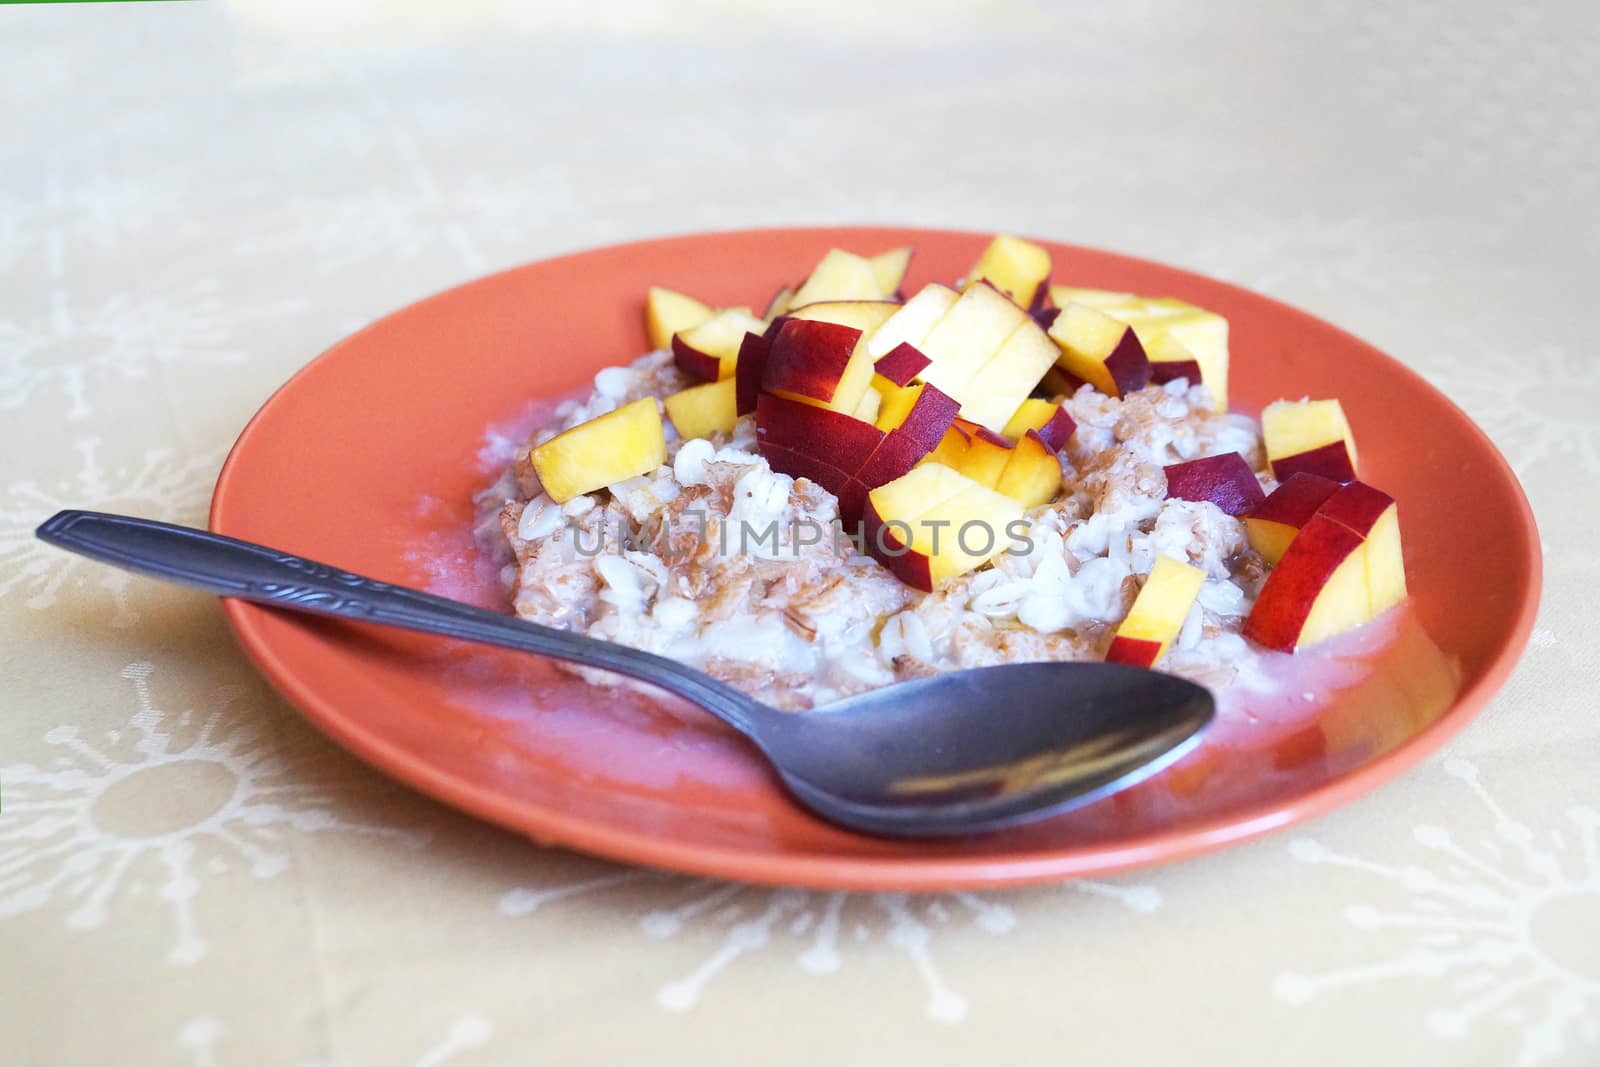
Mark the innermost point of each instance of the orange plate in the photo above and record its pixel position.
(369, 456)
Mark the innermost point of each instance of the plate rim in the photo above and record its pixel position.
(549, 826)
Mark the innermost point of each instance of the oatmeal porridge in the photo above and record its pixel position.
(779, 563)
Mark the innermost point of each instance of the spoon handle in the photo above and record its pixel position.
(233, 568)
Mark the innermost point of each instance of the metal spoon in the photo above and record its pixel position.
(955, 753)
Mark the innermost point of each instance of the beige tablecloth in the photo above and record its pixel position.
(196, 198)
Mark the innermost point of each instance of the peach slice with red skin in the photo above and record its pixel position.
(918, 399)
(1225, 480)
(808, 358)
(709, 351)
(1330, 461)
(1357, 505)
(1277, 519)
(831, 436)
(898, 401)
(1189, 342)
(845, 455)
(1163, 370)
(849, 492)
(867, 316)
(898, 370)
(902, 364)
(1374, 515)
(897, 455)
(1310, 436)
(918, 434)
(1046, 418)
(980, 347)
(1158, 613)
(1180, 339)
(1101, 350)
(891, 507)
(931, 415)
(934, 523)
(749, 370)
(1318, 589)
(1345, 567)
(1170, 360)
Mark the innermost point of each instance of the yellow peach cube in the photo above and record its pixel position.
(621, 444)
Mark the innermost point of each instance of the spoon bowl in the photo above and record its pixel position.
(955, 753)
(986, 748)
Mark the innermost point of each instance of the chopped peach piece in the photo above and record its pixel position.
(701, 410)
(621, 444)
(1157, 614)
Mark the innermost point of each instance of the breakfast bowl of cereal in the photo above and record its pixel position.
(817, 463)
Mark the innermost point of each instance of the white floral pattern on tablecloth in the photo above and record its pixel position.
(822, 926)
(1487, 919)
(160, 484)
(80, 841)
